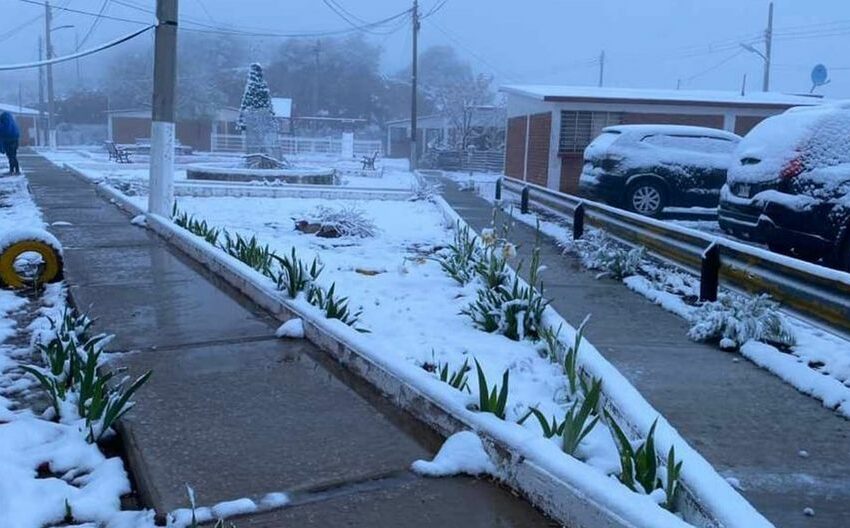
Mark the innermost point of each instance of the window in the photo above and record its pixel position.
(705, 144)
(578, 129)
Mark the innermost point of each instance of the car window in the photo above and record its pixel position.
(704, 144)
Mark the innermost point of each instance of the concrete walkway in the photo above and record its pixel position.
(234, 411)
(748, 423)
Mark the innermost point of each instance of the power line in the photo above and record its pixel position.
(94, 25)
(714, 67)
(435, 8)
(358, 23)
(82, 12)
(102, 47)
(507, 75)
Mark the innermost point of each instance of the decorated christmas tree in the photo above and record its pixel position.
(256, 115)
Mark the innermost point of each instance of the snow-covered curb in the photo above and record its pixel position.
(565, 488)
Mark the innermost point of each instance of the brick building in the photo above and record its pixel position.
(548, 127)
(27, 119)
(128, 126)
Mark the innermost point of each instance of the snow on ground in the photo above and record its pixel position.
(818, 365)
(461, 454)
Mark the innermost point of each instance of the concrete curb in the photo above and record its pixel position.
(561, 494)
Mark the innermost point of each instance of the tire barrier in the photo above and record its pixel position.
(45, 247)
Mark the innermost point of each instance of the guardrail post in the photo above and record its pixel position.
(499, 189)
(578, 221)
(523, 203)
(709, 279)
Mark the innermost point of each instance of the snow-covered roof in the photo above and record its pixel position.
(653, 96)
(19, 110)
(674, 130)
(282, 106)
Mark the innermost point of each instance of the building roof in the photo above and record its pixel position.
(282, 106)
(593, 94)
(19, 110)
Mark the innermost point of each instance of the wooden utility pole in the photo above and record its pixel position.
(40, 127)
(162, 114)
(413, 81)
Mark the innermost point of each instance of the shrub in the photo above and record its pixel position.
(249, 251)
(733, 320)
(424, 190)
(294, 276)
(576, 426)
(598, 252)
(346, 221)
(492, 400)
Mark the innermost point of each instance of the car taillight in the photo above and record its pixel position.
(792, 169)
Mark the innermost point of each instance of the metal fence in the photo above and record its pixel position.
(474, 160)
(293, 145)
(816, 293)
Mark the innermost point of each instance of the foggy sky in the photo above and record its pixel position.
(648, 43)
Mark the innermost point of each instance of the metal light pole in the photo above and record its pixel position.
(51, 136)
(40, 128)
(162, 114)
(413, 81)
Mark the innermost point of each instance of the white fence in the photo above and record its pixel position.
(292, 145)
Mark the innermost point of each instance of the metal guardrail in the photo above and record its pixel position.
(816, 293)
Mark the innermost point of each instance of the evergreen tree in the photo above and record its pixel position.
(256, 115)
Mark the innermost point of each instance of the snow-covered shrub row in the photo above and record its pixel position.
(599, 252)
(733, 320)
(423, 189)
(80, 389)
(505, 304)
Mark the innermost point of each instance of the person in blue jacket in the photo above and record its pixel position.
(9, 136)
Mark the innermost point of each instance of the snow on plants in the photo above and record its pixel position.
(461, 454)
(347, 221)
(598, 252)
(733, 320)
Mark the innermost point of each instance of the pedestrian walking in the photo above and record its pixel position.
(9, 136)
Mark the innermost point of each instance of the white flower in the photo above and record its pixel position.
(508, 251)
(488, 236)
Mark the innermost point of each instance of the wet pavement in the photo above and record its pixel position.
(747, 422)
(235, 412)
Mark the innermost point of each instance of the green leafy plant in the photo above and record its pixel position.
(335, 307)
(294, 276)
(571, 358)
(195, 226)
(639, 469)
(553, 348)
(457, 379)
(576, 426)
(492, 268)
(69, 513)
(460, 259)
(735, 319)
(250, 251)
(492, 400)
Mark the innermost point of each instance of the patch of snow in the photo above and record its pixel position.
(226, 509)
(461, 454)
(294, 328)
(139, 220)
(274, 500)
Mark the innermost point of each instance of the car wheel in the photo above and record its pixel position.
(646, 197)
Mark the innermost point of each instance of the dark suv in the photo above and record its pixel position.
(646, 168)
(790, 185)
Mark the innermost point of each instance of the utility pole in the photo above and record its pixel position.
(51, 136)
(162, 114)
(413, 81)
(601, 68)
(768, 48)
(317, 50)
(42, 134)
(77, 49)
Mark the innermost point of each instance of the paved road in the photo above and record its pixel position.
(745, 421)
(234, 411)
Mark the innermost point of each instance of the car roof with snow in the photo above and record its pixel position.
(672, 130)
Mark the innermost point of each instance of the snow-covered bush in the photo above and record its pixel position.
(734, 319)
(78, 386)
(256, 115)
(599, 252)
(348, 221)
(423, 189)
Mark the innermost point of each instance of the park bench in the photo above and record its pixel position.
(117, 153)
(369, 161)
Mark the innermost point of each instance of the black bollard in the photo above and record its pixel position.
(709, 279)
(523, 204)
(499, 190)
(578, 221)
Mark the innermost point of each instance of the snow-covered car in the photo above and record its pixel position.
(646, 168)
(790, 185)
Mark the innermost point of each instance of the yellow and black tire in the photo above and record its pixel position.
(51, 272)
